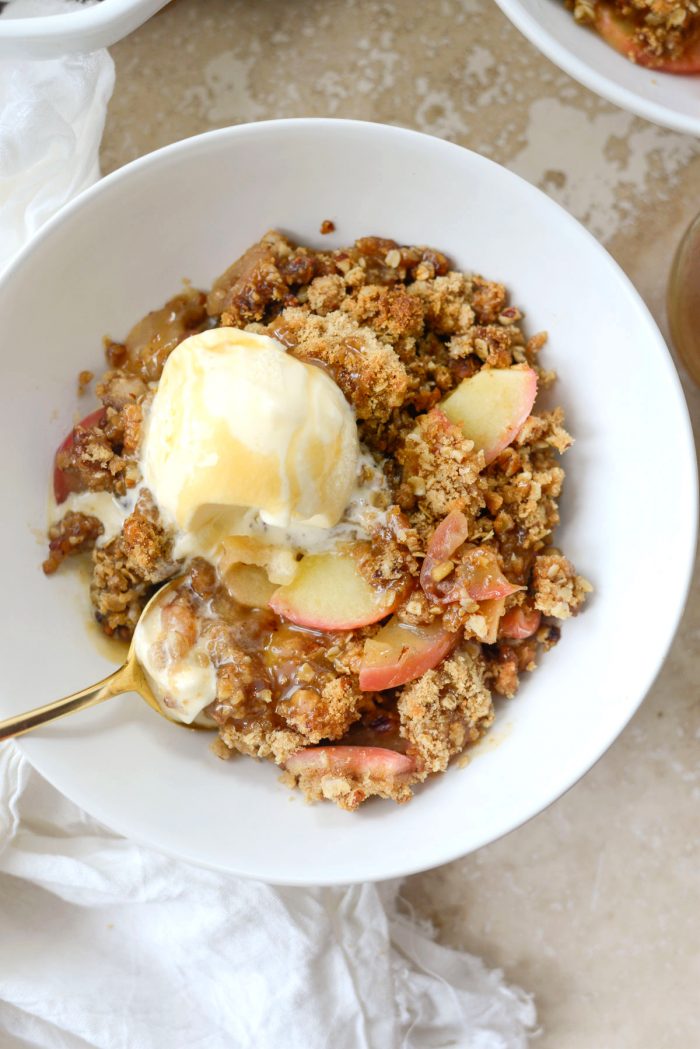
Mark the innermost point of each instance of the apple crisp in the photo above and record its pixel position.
(659, 34)
(365, 661)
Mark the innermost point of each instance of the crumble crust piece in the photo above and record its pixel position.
(444, 710)
(441, 470)
(367, 371)
(125, 571)
(558, 590)
(73, 534)
(660, 29)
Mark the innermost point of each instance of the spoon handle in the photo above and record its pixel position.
(87, 697)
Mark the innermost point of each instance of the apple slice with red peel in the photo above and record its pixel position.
(620, 33)
(491, 406)
(64, 482)
(685, 64)
(449, 535)
(520, 623)
(481, 575)
(330, 593)
(370, 762)
(477, 571)
(400, 653)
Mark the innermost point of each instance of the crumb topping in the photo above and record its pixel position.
(444, 710)
(440, 470)
(657, 31)
(367, 370)
(558, 590)
(73, 534)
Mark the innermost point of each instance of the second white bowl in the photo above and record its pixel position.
(664, 98)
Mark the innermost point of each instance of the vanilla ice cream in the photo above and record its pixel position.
(238, 424)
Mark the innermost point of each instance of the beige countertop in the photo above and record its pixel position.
(592, 906)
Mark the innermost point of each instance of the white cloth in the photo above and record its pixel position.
(52, 114)
(107, 944)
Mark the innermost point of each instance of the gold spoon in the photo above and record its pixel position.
(128, 678)
(683, 300)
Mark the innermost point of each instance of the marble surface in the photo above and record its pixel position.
(593, 905)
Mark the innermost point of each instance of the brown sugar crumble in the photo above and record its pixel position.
(84, 379)
(327, 226)
(446, 709)
(660, 34)
(461, 547)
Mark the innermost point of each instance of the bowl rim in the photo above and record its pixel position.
(545, 42)
(101, 25)
(450, 849)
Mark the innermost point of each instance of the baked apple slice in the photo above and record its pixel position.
(400, 653)
(620, 33)
(65, 482)
(447, 538)
(373, 762)
(520, 623)
(349, 775)
(491, 610)
(476, 570)
(491, 406)
(249, 585)
(329, 592)
(480, 573)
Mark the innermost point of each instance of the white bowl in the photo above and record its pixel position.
(99, 25)
(629, 513)
(664, 98)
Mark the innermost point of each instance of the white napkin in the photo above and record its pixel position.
(110, 945)
(52, 113)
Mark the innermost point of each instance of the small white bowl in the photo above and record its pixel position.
(98, 25)
(664, 98)
(629, 512)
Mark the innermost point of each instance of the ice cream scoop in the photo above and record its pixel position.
(238, 424)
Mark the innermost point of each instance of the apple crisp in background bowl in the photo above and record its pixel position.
(188, 211)
(669, 99)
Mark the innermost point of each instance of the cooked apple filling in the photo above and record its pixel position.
(340, 454)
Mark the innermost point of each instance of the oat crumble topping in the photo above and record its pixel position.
(661, 34)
